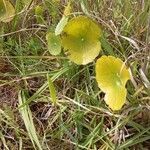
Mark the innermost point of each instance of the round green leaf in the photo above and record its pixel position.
(80, 39)
(54, 43)
(112, 75)
(9, 14)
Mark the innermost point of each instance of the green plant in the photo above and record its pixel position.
(80, 41)
(82, 45)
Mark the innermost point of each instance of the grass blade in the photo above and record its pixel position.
(52, 90)
(28, 121)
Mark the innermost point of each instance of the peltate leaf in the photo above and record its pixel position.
(112, 75)
(80, 39)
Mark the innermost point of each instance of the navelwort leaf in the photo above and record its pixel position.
(10, 12)
(54, 43)
(112, 75)
(80, 39)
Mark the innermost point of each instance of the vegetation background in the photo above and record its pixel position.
(48, 102)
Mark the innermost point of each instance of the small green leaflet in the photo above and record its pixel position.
(54, 43)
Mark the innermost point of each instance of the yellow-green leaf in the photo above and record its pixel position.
(112, 75)
(9, 14)
(80, 39)
(54, 43)
(2, 8)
